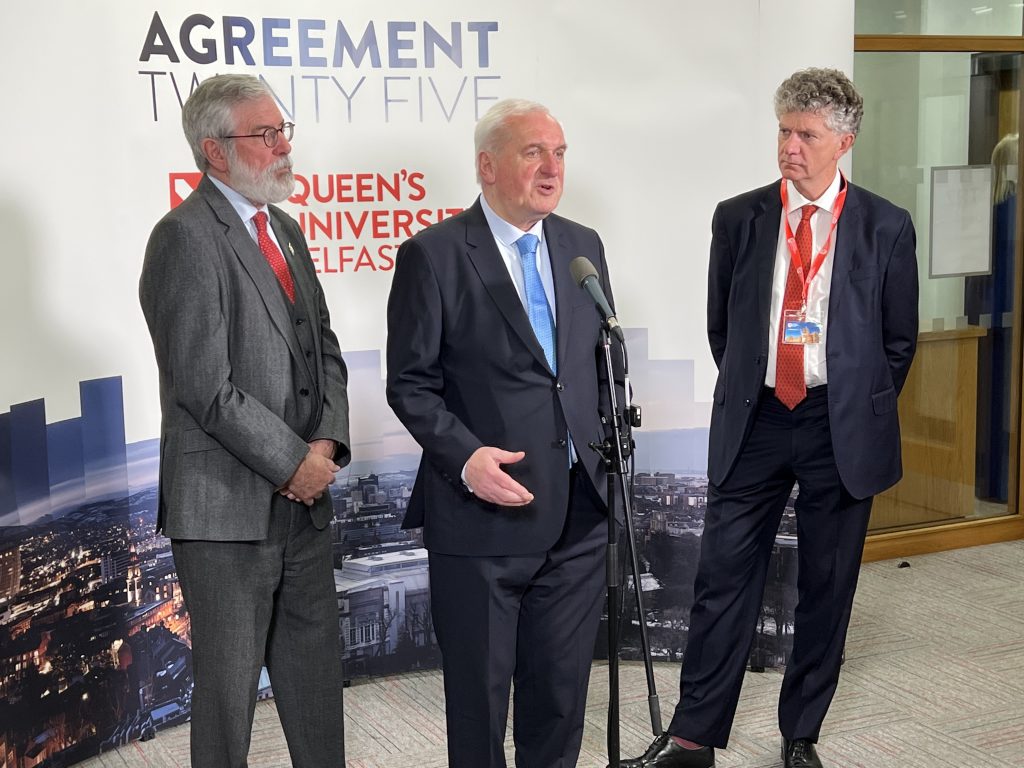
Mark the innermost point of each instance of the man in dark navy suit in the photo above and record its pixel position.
(812, 319)
(492, 368)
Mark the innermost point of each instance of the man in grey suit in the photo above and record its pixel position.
(255, 424)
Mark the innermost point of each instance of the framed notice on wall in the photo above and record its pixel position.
(961, 221)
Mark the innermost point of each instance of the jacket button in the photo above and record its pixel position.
(747, 403)
(562, 444)
(560, 386)
(304, 392)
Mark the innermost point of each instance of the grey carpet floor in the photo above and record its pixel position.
(934, 677)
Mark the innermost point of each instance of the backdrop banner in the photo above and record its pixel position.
(667, 109)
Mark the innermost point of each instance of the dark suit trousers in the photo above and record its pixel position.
(256, 602)
(739, 531)
(531, 618)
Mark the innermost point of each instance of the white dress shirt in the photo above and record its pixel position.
(246, 210)
(815, 373)
(505, 236)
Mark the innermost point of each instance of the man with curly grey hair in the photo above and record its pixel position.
(812, 320)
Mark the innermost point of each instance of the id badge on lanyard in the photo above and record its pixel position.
(797, 326)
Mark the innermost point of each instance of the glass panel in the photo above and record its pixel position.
(938, 17)
(940, 138)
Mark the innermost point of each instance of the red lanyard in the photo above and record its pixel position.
(794, 252)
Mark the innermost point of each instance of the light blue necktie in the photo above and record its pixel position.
(536, 301)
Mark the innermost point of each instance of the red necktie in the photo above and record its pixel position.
(274, 257)
(790, 387)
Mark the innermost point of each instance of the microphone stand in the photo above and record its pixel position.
(614, 451)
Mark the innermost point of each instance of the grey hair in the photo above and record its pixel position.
(490, 133)
(208, 112)
(825, 91)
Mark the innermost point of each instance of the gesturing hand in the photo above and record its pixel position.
(489, 482)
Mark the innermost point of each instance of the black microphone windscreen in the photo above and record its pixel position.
(581, 268)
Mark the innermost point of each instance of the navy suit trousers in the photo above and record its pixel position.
(528, 618)
(784, 447)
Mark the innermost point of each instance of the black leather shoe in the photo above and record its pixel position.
(665, 753)
(799, 753)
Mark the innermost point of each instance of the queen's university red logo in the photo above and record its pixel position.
(181, 185)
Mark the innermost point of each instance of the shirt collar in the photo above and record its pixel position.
(506, 233)
(826, 201)
(245, 209)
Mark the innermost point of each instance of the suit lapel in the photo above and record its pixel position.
(847, 228)
(558, 252)
(484, 256)
(766, 241)
(253, 262)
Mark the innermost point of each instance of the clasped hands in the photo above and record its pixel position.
(314, 474)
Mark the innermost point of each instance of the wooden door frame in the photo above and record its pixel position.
(969, 533)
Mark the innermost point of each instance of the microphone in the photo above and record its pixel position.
(584, 273)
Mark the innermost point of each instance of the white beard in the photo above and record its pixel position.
(262, 187)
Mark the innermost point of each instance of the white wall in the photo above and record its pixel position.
(666, 105)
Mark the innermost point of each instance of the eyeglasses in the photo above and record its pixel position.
(270, 136)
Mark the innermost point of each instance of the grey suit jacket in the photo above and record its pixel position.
(239, 396)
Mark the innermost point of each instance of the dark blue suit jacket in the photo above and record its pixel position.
(465, 370)
(870, 340)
